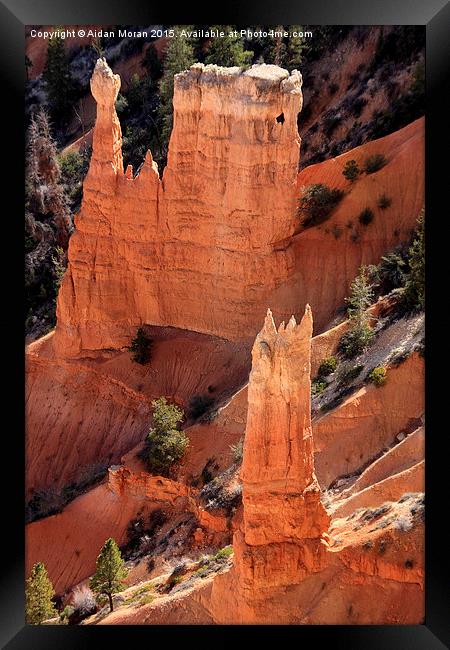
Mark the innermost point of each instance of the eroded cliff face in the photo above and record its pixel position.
(213, 243)
(198, 249)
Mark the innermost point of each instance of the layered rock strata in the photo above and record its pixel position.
(216, 240)
(199, 249)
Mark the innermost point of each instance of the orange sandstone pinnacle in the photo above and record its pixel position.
(281, 494)
(280, 540)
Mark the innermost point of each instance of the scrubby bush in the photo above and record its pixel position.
(199, 405)
(165, 444)
(355, 340)
(317, 203)
(377, 376)
(121, 104)
(351, 170)
(347, 374)
(223, 554)
(366, 217)
(141, 347)
(237, 451)
(327, 366)
(317, 387)
(66, 614)
(374, 163)
(391, 272)
(222, 492)
(384, 202)
(83, 604)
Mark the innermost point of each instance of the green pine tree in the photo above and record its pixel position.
(110, 572)
(277, 53)
(39, 595)
(361, 295)
(165, 444)
(228, 51)
(294, 48)
(358, 337)
(58, 82)
(179, 57)
(414, 295)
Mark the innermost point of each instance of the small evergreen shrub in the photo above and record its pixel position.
(66, 614)
(355, 340)
(110, 572)
(384, 202)
(351, 170)
(347, 374)
(366, 217)
(224, 553)
(317, 387)
(391, 272)
(374, 163)
(141, 347)
(327, 366)
(317, 202)
(199, 405)
(377, 376)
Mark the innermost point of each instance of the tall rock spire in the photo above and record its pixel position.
(107, 141)
(279, 541)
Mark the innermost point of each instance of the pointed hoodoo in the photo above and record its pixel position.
(107, 140)
(280, 491)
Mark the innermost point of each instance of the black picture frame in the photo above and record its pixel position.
(14, 15)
